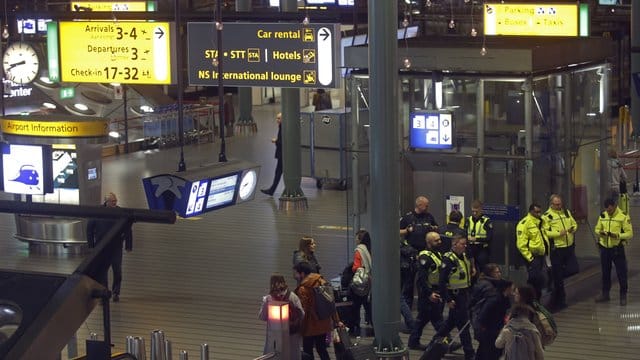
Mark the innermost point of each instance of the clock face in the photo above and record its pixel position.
(247, 184)
(20, 63)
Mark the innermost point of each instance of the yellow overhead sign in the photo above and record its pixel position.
(109, 5)
(116, 52)
(67, 129)
(531, 19)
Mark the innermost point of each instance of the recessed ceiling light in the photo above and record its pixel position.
(81, 107)
(49, 105)
(114, 134)
(46, 80)
(146, 108)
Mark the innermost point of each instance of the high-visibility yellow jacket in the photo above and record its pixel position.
(618, 225)
(530, 239)
(554, 221)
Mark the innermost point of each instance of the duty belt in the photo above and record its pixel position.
(483, 243)
(457, 291)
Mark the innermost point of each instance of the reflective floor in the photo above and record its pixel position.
(201, 280)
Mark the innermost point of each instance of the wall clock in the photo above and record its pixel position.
(20, 63)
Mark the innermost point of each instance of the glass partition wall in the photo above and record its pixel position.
(524, 139)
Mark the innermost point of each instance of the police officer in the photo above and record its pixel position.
(414, 226)
(559, 226)
(451, 229)
(454, 286)
(533, 246)
(430, 304)
(479, 230)
(614, 231)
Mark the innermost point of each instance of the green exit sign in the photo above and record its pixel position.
(67, 92)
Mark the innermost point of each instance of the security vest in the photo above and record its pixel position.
(460, 275)
(476, 228)
(554, 221)
(434, 271)
(618, 224)
(530, 240)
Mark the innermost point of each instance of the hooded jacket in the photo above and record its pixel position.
(311, 325)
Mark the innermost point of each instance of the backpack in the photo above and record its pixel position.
(546, 324)
(295, 316)
(346, 276)
(324, 300)
(521, 346)
(361, 282)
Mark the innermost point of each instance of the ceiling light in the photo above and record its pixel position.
(46, 80)
(146, 109)
(81, 107)
(49, 105)
(114, 134)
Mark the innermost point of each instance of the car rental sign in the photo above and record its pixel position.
(253, 54)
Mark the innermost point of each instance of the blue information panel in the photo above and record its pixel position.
(500, 212)
(431, 130)
(191, 198)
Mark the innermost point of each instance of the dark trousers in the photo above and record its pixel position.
(615, 255)
(535, 278)
(487, 346)
(276, 177)
(319, 341)
(407, 280)
(359, 301)
(458, 318)
(560, 257)
(116, 267)
(480, 254)
(427, 311)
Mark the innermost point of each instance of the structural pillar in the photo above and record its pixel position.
(480, 130)
(384, 166)
(292, 197)
(528, 147)
(245, 123)
(635, 65)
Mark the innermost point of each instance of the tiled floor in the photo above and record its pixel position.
(201, 280)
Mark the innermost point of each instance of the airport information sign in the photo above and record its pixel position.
(113, 6)
(253, 54)
(125, 52)
(431, 130)
(531, 19)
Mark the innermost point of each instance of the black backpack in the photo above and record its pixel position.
(324, 299)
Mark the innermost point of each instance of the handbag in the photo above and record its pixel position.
(361, 282)
(623, 186)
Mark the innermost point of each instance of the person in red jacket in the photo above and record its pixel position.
(361, 259)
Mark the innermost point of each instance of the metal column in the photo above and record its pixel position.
(480, 129)
(292, 197)
(528, 151)
(635, 64)
(245, 102)
(384, 164)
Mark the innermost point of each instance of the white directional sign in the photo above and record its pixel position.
(431, 130)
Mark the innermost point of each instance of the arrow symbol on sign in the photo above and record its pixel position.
(446, 138)
(325, 34)
(159, 32)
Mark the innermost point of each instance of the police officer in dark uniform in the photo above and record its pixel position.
(454, 288)
(414, 226)
(451, 229)
(479, 230)
(430, 304)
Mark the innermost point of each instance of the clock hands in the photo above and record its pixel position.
(11, 66)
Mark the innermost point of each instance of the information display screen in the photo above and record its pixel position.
(431, 130)
(27, 169)
(222, 191)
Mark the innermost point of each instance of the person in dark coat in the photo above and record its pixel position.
(489, 305)
(96, 230)
(307, 253)
(278, 155)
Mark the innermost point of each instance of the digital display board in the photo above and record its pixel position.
(288, 55)
(113, 6)
(431, 130)
(26, 169)
(125, 52)
(531, 19)
(222, 191)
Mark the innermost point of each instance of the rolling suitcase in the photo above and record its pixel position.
(439, 346)
(346, 350)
